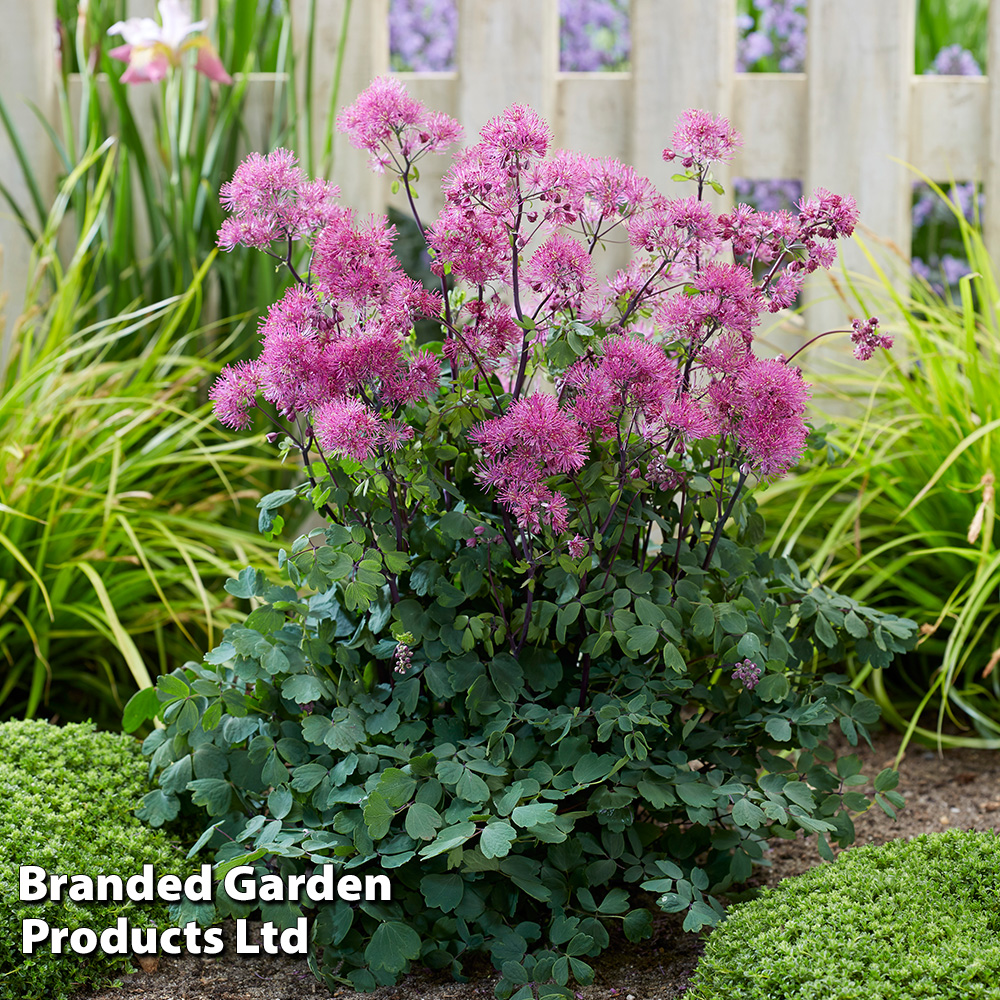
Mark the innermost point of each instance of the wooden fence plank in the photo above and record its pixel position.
(366, 57)
(27, 73)
(508, 53)
(683, 56)
(860, 69)
(991, 174)
(594, 113)
(770, 112)
(947, 138)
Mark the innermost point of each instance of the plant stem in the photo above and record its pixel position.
(717, 534)
(584, 679)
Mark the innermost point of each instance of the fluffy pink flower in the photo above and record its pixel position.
(533, 440)
(727, 354)
(475, 178)
(538, 428)
(577, 547)
(688, 419)
(640, 371)
(727, 299)
(474, 243)
(489, 332)
(783, 292)
(367, 357)
(347, 427)
(295, 368)
(632, 376)
(764, 406)
(828, 215)
(394, 434)
(615, 190)
(764, 235)
(700, 138)
(560, 272)
(233, 393)
(417, 381)
(356, 262)
(729, 291)
(269, 199)
(866, 338)
(516, 136)
(385, 118)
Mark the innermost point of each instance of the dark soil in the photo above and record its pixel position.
(960, 788)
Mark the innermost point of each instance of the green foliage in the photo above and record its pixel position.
(68, 798)
(887, 922)
(901, 511)
(517, 810)
(113, 490)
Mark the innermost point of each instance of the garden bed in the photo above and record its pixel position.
(960, 789)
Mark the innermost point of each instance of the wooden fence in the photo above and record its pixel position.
(851, 123)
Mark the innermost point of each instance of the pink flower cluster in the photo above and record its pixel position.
(271, 200)
(763, 406)
(533, 441)
(701, 139)
(663, 349)
(866, 338)
(748, 672)
(333, 350)
(386, 118)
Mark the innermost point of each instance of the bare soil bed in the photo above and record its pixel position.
(960, 788)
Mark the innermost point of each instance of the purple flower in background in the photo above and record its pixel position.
(422, 35)
(768, 196)
(778, 30)
(954, 268)
(953, 60)
(593, 35)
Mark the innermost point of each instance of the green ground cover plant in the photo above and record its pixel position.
(900, 511)
(115, 487)
(887, 922)
(535, 665)
(69, 795)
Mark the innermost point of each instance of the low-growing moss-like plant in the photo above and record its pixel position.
(69, 794)
(906, 919)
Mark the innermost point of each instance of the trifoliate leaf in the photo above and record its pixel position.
(158, 807)
(214, 794)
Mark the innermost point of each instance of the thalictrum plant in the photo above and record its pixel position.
(534, 661)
